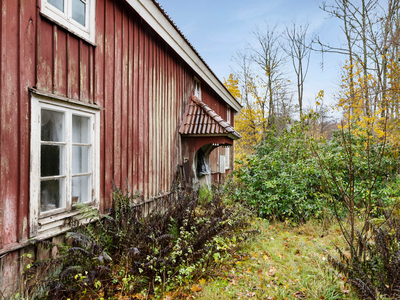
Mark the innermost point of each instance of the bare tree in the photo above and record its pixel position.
(243, 61)
(384, 44)
(298, 48)
(269, 57)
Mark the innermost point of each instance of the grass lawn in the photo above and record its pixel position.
(282, 262)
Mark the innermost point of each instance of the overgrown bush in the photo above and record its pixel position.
(367, 167)
(292, 177)
(128, 252)
(282, 179)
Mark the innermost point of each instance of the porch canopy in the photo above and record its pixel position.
(204, 124)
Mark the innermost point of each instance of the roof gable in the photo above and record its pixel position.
(201, 120)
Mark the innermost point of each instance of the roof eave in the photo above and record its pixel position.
(158, 20)
(229, 135)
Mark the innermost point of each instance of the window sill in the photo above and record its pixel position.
(90, 41)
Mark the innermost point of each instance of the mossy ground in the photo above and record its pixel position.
(281, 262)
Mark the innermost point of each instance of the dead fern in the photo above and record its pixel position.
(175, 242)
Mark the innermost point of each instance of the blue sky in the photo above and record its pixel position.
(220, 28)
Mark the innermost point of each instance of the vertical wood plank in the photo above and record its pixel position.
(98, 90)
(124, 102)
(130, 103)
(141, 112)
(84, 69)
(9, 119)
(162, 120)
(60, 61)
(151, 173)
(73, 67)
(117, 94)
(108, 100)
(168, 133)
(91, 75)
(146, 115)
(27, 59)
(45, 56)
(158, 117)
(136, 105)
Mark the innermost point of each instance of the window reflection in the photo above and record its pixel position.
(59, 4)
(78, 11)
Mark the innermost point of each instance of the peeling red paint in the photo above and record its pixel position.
(141, 83)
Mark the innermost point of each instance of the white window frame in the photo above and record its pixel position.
(64, 19)
(227, 158)
(197, 88)
(228, 114)
(222, 164)
(52, 222)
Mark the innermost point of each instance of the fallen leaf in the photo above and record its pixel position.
(250, 294)
(345, 290)
(300, 295)
(272, 271)
(196, 288)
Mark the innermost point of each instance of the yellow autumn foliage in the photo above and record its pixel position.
(250, 120)
(368, 109)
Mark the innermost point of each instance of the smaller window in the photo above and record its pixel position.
(228, 114)
(197, 88)
(227, 158)
(77, 16)
(222, 164)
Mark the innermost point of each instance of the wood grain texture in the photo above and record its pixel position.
(141, 83)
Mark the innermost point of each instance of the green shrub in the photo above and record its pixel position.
(151, 254)
(294, 178)
(283, 180)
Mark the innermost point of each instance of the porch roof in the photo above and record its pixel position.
(200, 120)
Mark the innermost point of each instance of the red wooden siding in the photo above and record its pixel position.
(141, 83)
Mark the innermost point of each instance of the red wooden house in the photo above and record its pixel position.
(96, 91)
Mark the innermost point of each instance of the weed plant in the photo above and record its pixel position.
(130, 253)
(375, 272)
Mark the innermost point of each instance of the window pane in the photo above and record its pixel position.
(52, 126)
(59, 4)
(226, 158)
(78, 11)
(80, 189)
(80, 129)
(51, 194)
(52, 160)
(81, 159)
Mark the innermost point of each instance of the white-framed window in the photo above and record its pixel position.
(197, 88)
(228, 114)
(222, 164)
(65, 160)
(77, 16)
(227, 158)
